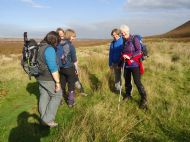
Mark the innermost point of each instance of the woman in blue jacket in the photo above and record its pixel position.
(114, 56)
(68, 65)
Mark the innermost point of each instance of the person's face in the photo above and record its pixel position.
(73, 37)
(115, 36)
(125, 34)
(61, 34)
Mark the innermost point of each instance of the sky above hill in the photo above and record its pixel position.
(91, 18)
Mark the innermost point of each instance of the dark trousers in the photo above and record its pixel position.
(68, 76)
(135, 72)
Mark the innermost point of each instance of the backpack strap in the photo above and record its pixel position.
(66, 48)
(133, 41)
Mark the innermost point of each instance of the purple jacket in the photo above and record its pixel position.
(133, 48)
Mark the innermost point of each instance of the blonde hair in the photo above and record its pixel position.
(125, 29)
(69, 33)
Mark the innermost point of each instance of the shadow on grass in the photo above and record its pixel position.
(95, 83)
(28, 131)
(33, 89)
(110, 78)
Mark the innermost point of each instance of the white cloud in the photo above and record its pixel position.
(143, 25)
(34, 4)
(157, 4)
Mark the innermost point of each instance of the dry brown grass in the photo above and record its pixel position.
(152, 39)
(15, 47)
(8, 47)
(97, 42)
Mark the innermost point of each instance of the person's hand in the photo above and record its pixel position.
(126, 57)
(57, 86)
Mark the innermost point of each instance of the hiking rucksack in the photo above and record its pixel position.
(144, 49)
(29, 57)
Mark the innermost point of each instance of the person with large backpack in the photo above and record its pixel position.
(48, 79)
(115, 49)
(131, 56)
(68, 66)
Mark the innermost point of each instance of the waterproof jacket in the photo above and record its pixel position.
(133, 50)
(66, 54)
(115, 50)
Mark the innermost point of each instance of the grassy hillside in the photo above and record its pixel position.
(96, 117)
(180, 33)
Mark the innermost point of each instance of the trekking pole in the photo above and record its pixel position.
(122, 73)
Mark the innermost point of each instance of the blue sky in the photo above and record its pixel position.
(91, 18)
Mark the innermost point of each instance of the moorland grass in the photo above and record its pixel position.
(96, 117)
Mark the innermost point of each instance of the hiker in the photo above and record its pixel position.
(68, 66)
(78, 83)
(61, 33)
(131, 54)
(116, 47)
(49, 81)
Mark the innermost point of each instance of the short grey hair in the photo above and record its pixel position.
(125, 29)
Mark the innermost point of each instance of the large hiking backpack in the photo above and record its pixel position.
(29, 57)
(144, 49)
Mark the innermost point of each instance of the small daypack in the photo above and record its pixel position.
(29, 57)
(144, 49)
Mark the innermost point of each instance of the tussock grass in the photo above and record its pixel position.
(96, 117)
(11, 69)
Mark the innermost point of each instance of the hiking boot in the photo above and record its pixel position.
(127, 98)
(52, 124)
(71, 99)
(143, 104)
